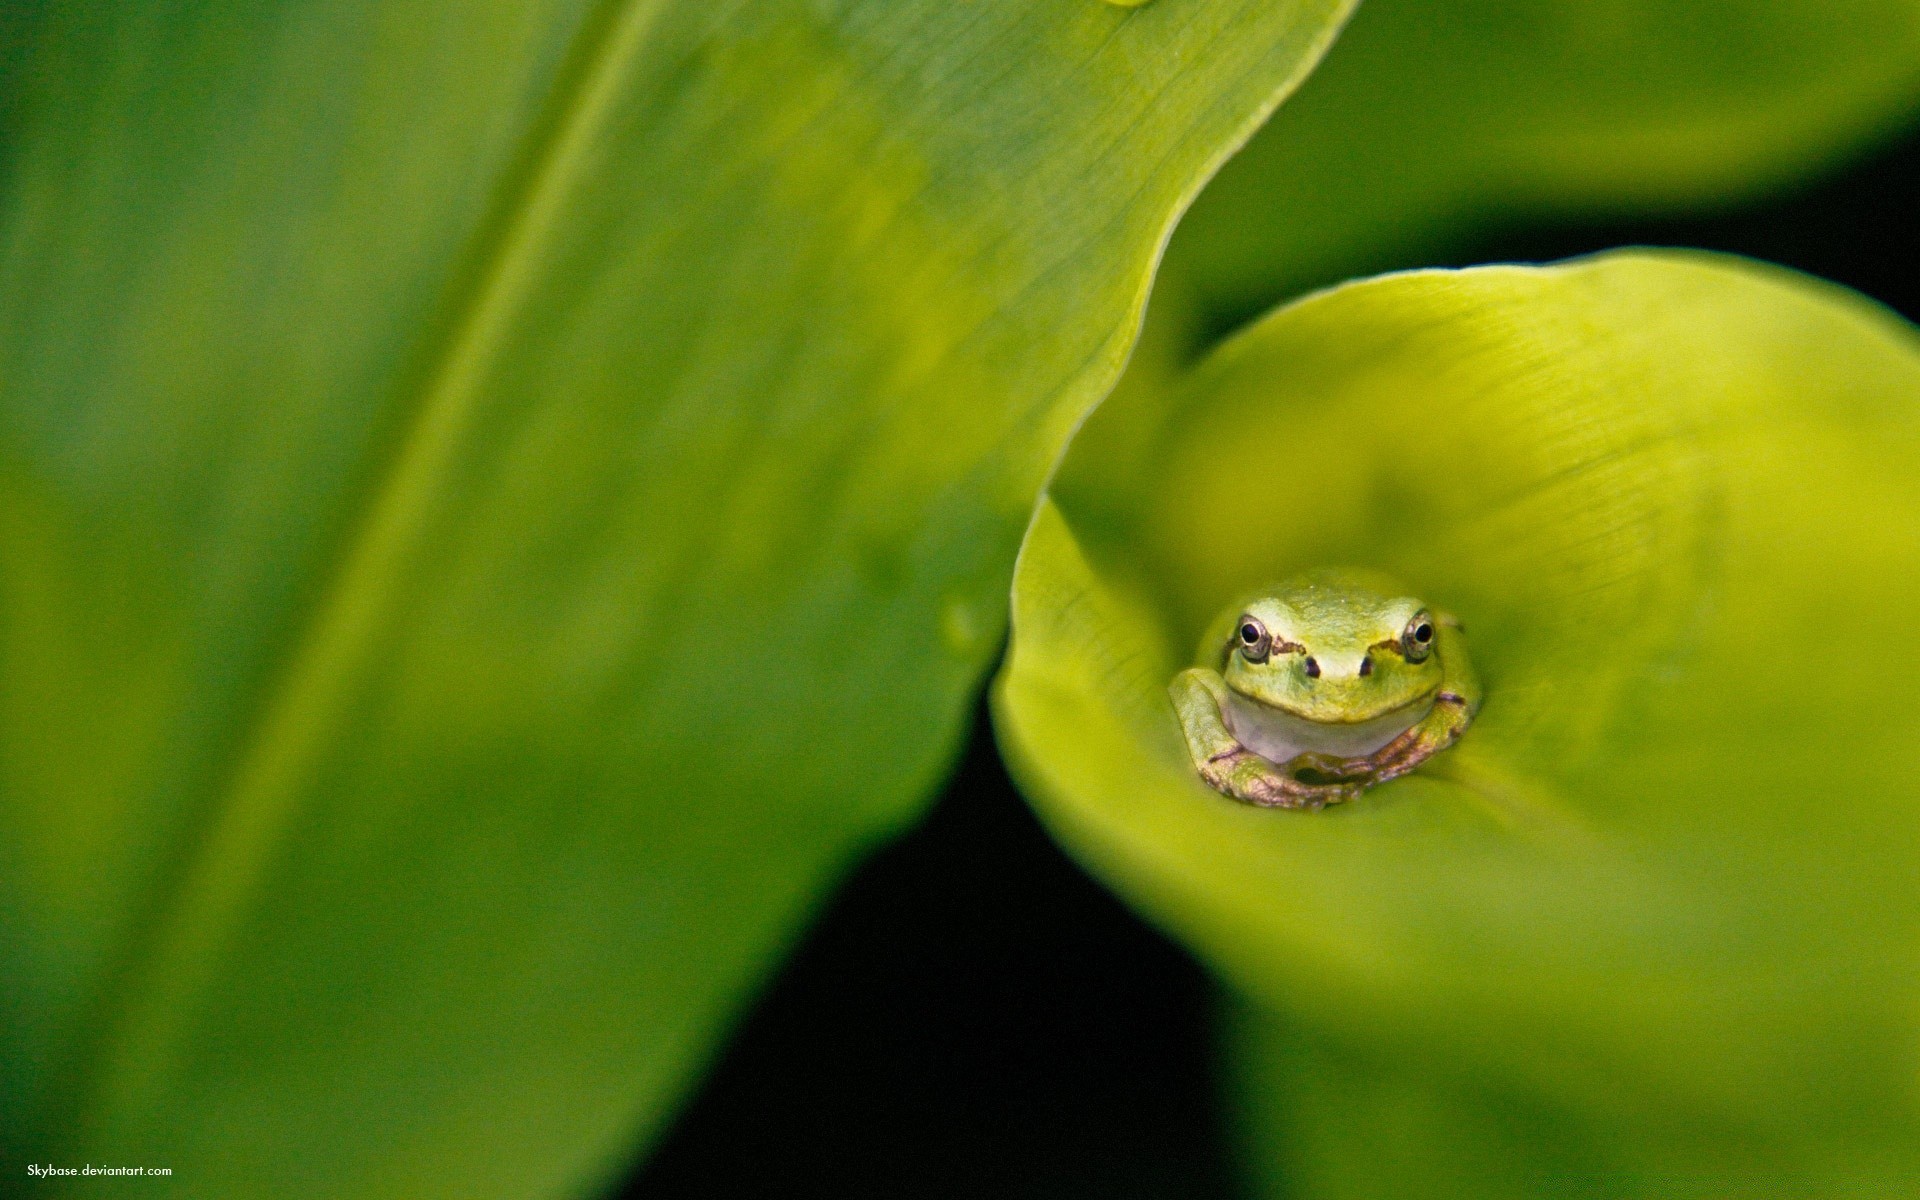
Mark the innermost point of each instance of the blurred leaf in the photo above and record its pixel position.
(1422, 1133)
(1433, 116)
(1665, 885)
(497, 503)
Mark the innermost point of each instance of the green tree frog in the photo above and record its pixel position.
(1317, 689)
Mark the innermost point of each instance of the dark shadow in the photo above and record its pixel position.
(972, 1017)
(1861, 228)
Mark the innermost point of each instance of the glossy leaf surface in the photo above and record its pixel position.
(498, 502)
(1665, 884)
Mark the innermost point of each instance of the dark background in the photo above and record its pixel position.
(974, 1017)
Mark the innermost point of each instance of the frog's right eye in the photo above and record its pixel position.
(1252, 640)
(1416, 641)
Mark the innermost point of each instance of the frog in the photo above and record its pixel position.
(1308, 692)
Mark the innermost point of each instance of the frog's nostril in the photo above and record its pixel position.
(1366, 666)
(1312, 668)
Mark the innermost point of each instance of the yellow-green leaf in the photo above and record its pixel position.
(1665, 884)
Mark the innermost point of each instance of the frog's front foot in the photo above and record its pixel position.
(1246, 776)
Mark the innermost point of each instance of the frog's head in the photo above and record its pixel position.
(1334, 646)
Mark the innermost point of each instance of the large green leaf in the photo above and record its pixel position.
(1665, 885)
(497, 503)
(1434, 116)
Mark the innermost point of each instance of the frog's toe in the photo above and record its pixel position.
(1220, 771)
(1269, 790)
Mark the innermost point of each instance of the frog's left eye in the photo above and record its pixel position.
(1253, 640)
(1416, 642)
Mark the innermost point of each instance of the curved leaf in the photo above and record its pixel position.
(1432, 116)
(1665, 882)
(497, 503)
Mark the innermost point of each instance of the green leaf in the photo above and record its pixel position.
(498, 503)
(1434, 117)
(1665, 883)
(1404, 1130)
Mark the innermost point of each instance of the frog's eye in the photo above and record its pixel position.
(1253, 640)
(1417, 640)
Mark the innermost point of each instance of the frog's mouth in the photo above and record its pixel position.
(1280, 736)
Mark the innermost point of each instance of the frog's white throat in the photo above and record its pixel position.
(1279, 736)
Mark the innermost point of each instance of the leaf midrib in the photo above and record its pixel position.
(153, 1008)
